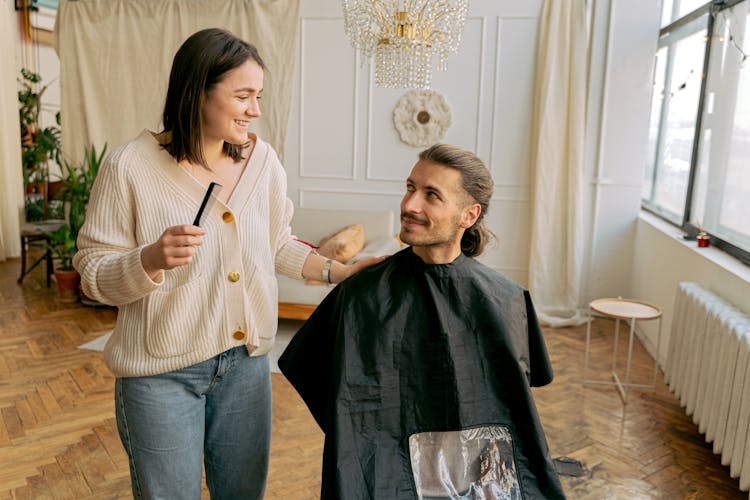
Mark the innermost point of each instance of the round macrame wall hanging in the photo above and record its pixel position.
(421, 117)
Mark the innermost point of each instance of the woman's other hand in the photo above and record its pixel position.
(175, 247)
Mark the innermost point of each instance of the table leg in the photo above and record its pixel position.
(620, 387)
(586, 356)
(617, 341)
(630, 352)
(656, 359)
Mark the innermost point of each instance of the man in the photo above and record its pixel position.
(419, 368)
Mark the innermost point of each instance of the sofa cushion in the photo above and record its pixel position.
(343, 244)
(293, 291)
(377, 247)
(382, 245)
(310, 224)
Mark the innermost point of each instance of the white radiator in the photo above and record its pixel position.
(708, 369)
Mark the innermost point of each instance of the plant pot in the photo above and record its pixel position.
(67, 285)
(35, 188)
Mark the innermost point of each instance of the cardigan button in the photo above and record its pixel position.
(239, 335)
(234, 276)
(227, 217)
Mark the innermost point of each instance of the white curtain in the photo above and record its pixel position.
(11, 177)
(116, 55)
(557, 236)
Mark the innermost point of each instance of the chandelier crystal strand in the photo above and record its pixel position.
(403, 35)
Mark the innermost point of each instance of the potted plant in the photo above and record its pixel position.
(39, 144)
(78, 180)
(77, 183)
(62, 243)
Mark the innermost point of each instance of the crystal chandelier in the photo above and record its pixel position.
(403, 35)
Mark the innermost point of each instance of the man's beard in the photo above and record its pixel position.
(428, 239)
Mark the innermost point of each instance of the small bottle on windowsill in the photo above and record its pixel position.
(702, 239)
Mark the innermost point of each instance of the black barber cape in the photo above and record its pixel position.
(420, 377)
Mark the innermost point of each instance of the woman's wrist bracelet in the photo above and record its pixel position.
(326, 273)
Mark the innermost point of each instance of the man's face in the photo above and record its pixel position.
(434, 209)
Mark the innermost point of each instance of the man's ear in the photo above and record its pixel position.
(470, 215)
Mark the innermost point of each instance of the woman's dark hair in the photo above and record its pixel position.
(200, 63)
(477, 184)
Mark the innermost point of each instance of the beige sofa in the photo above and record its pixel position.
(297, 299)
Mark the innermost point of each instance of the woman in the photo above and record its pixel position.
(197, 305)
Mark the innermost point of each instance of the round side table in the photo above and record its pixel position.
(622, 309)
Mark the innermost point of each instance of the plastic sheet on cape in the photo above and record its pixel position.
(475, 464)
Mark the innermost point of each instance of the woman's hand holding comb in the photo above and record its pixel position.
(175, 247)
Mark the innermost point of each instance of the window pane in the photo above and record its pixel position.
(682, 93)
(657, 99)
(721, 204)
(671, 10)
(666, 12)
(688, 6)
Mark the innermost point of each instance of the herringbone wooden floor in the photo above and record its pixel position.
(58, 437)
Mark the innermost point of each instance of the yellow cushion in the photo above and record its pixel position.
(343, 244)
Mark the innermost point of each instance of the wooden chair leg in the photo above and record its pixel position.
(23, 259)
(50, 269)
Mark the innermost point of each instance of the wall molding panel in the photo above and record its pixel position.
(343, 151)
(327, 100)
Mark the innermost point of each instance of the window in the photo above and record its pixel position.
(674, 111)
(697, 173)
(672, 10)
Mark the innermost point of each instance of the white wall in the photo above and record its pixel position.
(624, 40)
(663, 260)
(638, 257)
(342, 150)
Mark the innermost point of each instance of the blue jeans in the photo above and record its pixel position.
(218, 411)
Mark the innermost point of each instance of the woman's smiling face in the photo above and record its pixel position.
(232, 103)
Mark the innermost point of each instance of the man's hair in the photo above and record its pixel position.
(199, 64)
(477, 183)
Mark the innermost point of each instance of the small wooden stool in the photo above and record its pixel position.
(626, 309)
(34, 233)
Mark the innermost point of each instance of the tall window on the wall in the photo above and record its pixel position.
(697, 173)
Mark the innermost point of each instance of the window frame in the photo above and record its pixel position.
(712, 9)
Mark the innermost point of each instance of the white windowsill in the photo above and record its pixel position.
(714, 255)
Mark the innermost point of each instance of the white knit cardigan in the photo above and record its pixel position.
(227, 296)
